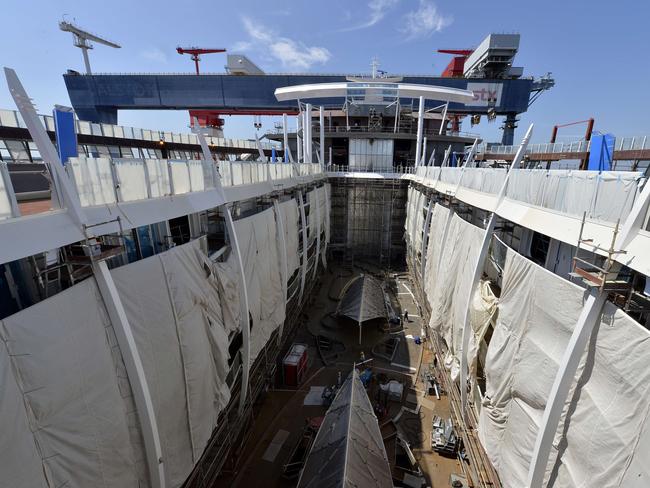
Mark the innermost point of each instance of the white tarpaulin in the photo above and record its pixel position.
(20, 460)
(94, 180)
(261, 258)
(439, 217)
(63, 369)
(290, 220)
(173, 306)
(604, 429)
(451, 286)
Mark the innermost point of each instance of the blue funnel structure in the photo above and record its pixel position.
(601, 152)
(348, 450)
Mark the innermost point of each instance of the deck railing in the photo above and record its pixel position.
(105, 181)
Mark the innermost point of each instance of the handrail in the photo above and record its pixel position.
(12, 118)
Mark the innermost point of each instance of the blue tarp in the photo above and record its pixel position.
(601, 152)
(66, 135)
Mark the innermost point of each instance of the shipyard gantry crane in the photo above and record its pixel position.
(195, 52)
(81, 38)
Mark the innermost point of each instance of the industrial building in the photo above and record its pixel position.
(368, 298)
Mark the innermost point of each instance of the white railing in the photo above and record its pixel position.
(12, 118)
(339, 168)
(604, 196)
(106, 181)
(547, 147)
(101, 181)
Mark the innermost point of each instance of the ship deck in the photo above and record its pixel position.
(282, 415)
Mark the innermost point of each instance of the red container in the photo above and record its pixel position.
(294, 364)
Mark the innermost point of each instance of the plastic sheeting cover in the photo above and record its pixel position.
(362, 299)
(450, 285)
(603, 436)
(261, 258)
(348, 450)
(290, 220)
(65, 376)
(173, 306)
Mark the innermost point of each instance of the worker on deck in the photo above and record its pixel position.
(406, 315)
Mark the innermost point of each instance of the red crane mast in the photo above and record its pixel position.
(456, 66)
(196, 51)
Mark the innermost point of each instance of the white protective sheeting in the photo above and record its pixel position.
(62, 362)
(173, 305)
(261, 258)
(290, 214)
(439, 216)
(604, 428)
(606, 196)
(131, 179)
(5, 203)
(158, 175)
(20, 460)
(94, 180)
(451, 286)
(180, 177)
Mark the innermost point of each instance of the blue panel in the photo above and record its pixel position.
(66, 135)
(144, 239)
(601, 152)
(99, 96)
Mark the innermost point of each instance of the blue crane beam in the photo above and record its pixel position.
(98, 98)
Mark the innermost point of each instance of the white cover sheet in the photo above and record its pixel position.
(261, 259)
(173, 305)
(451, 286)
(61, 362)
(604, 429)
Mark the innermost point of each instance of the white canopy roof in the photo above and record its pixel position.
(404, 90)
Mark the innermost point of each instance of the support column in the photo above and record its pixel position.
(285, 140)
(424, 152)
(283, 255)
(443, 121)
(565, 376)
(305, 246)
(135, 372)
(244, 317)
(327, 223)
(299, 138)
(509, 126)
(425, 240)
(563, 380)
(418, 139)
(478, 271)
(308, 137)
(318, 230)
(321, 120)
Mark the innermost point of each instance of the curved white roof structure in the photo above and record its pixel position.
(402, 90)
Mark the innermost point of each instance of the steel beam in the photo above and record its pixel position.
(478, 271)
(565, 377)
(418, 140)
(425, 240)
(318, 229)
(321, 121)
(305, 246)
(244, 309)
(135, 372)
(279, 220)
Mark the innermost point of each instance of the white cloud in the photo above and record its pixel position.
(378, 9)
(241, 46)
(291, 54)
(425, 21)
(154, 54)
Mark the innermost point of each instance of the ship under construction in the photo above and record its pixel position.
(363, 297)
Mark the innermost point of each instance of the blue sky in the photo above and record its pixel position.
(596, 50)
